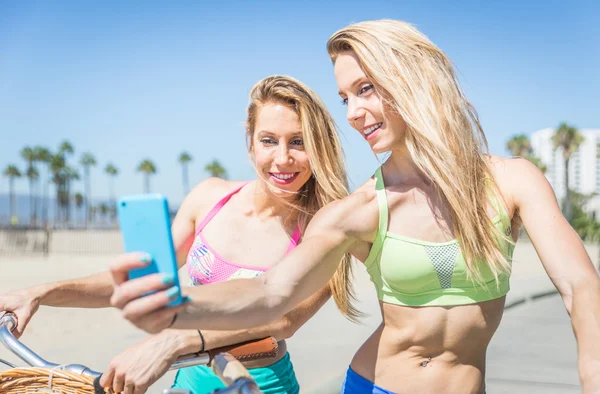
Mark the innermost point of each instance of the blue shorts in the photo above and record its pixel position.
(278, 378)
(356, 384)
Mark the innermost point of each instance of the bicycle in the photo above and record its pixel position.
(46, 376)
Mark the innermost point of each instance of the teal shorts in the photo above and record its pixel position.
(278, 378)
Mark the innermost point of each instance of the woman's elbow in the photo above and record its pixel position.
(284, 328)
(283, 324)
(277, 300)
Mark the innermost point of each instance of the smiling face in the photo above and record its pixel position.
(278, 147)
(365, 107)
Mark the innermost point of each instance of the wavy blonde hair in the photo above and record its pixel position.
(322, 144)
(443, 135)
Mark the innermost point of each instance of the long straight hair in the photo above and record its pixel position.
(329, 181)
(444, 137)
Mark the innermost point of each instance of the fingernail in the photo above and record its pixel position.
(146, 258)
(172, 292)
(168, 279)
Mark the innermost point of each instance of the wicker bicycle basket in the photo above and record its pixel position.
(45, 380)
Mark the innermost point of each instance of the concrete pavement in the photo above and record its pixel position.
(322, 349)
(534, 351)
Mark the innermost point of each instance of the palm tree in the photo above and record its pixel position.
(538, 163)
(112, 173)
(57, 165)
(519, 146)
(184, 159)
(43, 155)
(70, 175)
(148, 168)
(93, 210)
(12, 172)
(33, 175)
(568, 139)
(65, 148)
(87, 160)
(103, 208)
(28, 154)
(79, 201)
(214, 168)
(62, 175)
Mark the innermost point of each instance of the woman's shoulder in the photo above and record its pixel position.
(207, 193)
(214, 186)
(356, 213)
(361, 197)
(515, 176)
(513, 169)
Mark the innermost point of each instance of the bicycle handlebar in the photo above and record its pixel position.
(8, 323)
(226, 365)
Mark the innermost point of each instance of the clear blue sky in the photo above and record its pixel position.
(130, 80)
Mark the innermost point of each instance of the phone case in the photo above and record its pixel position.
(146, 227)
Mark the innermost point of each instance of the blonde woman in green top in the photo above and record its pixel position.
(435, 227)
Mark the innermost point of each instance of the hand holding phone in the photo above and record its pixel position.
(146, 227)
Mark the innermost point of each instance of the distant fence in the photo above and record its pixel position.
(23, 240)
(45, 241)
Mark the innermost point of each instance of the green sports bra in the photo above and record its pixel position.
(411, 272)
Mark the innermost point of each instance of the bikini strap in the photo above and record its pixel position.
(295, 239)
(218, 207)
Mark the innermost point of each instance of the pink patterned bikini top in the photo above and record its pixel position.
(205, 266)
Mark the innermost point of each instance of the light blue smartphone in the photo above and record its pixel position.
(146, 227)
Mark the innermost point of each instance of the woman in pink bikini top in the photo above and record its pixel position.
(226, 230)
(205, 265)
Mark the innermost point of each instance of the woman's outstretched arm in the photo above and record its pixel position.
(245, 303)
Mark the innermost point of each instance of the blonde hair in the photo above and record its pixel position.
(443, 135)
(322, 144)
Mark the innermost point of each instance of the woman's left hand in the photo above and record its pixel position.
(147, 312)
(138, 367)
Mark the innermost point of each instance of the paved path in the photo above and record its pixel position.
(322, 349)
(534, 351)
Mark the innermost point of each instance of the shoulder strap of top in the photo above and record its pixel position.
(382, 202)
(218, 207)
(497, 202)
(383, 218)
(295, 239)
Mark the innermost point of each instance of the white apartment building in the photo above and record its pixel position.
(584, 167)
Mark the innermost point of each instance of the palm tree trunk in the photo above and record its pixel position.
(111, 189)
(113, 199)
(87, 195)
(58, 213)
(147, 183)
(45, 195)
(68, 201)
(30, 201)
(567, 202)
(13, 200)
(39, 204)
(36, 197)
(186, 182)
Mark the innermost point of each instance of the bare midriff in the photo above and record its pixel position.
(430, 350)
